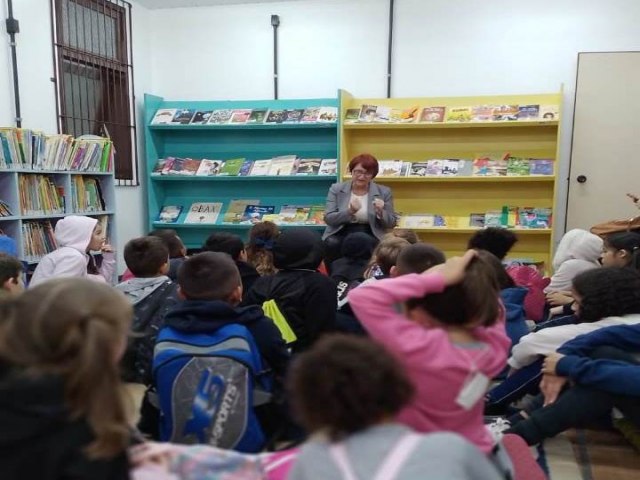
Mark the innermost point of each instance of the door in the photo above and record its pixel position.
(605, 155)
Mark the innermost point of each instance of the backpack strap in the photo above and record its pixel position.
(338, 452)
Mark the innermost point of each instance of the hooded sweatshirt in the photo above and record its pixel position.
(38, 440)
(70, 259)
(306, 298)
(577, 252)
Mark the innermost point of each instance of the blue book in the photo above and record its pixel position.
(254, 213)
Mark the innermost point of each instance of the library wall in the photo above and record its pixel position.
(37, 95)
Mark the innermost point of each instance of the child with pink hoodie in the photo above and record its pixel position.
(451, 340)
(77, 236)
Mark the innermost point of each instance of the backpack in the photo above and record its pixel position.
(207, 384)
(530, 278)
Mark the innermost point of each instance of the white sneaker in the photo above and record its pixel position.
(497, 427)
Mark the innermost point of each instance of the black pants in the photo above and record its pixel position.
(579, 407)
(333, 244)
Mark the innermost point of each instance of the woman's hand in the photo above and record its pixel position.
(355, 205)
(556, 299)
(378, 205)
(550, 363)
(551, 386)
(453, 269)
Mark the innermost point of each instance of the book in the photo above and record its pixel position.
(425, 220)
(476, 220)
(240, 115)
(528, 112)
(481, 166)
(260, 167)
(329, 166)
(221, 116)
(382, 114)
(206, 212)
(502, 113)
(458, 114)
(190, 166)
(308, 166)
(432, 114)
(316, 215)
(549, 112)
(245, 169)
(482, 113)
(209, 168)
(293, 115)
(183, 116)
(236, 209)
(310, 115)
(450, 167)
(434, 167)
(389, 168)
(465, 168)
(328, 115)
(497, 168)
(283, 165)
(406, 169)
(493, 218)
(169, 213)
(276, 116)
(517, 167)
(352, 115)
(201, 117)
(539, 166)
(418, 169)
(162, 166)
(405, 115)
(164, 116)
(231, 167)
(294, 213)
(367, 113)
(254, 213)
(177, 166)
(271, 217)
(258, 115)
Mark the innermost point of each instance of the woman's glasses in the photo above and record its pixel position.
(360, 173)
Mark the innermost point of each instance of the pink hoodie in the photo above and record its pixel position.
(437, 367)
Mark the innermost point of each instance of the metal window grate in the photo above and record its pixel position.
(92, 53)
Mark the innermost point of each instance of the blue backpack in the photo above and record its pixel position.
(206, 385)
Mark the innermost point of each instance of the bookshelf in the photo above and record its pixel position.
(223, 142)
(459, 196)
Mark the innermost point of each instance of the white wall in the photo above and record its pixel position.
(441, 47)
(37, 93)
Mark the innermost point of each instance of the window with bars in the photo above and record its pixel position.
(94, 75)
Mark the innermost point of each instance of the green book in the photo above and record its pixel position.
(231, 167)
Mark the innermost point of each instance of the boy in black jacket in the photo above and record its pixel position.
(306, 298)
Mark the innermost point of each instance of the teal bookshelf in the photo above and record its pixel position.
(222, 142)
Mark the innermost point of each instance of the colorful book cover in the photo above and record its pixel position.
(258, 115)
(476, 220)
(544, 217)
(209, 168)
(481, 166)
(177, 166)
(458, 114)
(220, 117)
(497, 168)
(162, 166)
(310, 115)
(493, 218)
(294, 213)
(254, 213)
(328, 115)
(231, 167)
(389, 168)
(283, 165)
(240, 115)
(236, 210)
(539, 166)
(201, 117)
(329, 166)
(203, 212)
(432, 114)
(293, 115)
(260, 168)
(406, 169)
(528, 113)
(164, 116)
(309, 166)
(316, 215)
(368, 113)
(517, 167)
(245, 169)
(549, 112)
(190, 166)
(450, 167)
(419, 169)
(276, 116)
(382, 114)
(504, 113)
(169, 213)
(407, 115)
(482, 113)
(183, 116)
(434, 167)
(352, 115)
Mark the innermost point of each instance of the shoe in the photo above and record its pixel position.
(497, 428)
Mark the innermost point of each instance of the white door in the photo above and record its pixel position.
(605, 155)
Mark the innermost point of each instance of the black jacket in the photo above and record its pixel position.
(38, 440)
(201, 316)
(248, 275)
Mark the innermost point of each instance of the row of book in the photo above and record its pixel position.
(28, 149)
(284, 165)
(38, 240)
(440, 114)
(5, 209)
(86, 195)
(507, 217)
(481, 166)
(39, 195)
(241, 116)
(244, 211)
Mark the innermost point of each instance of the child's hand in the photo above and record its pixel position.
(550, 363)
(107, 248)
(453, 269)
(559, 298)
(551, 386)
(151, 453)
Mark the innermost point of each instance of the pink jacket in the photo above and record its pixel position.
(437, 367)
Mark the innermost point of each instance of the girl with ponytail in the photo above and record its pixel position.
(61, 405)
(621, 250)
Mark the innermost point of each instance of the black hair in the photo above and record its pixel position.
(627, 241)
(10, 267)
(418, 257)
(494, 240)
(224, 242)
(358, 246)
(172, 240)
(145, 256)
(208, 276)
(503, 278)
(607, 292)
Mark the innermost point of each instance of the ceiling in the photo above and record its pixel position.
(157, 4)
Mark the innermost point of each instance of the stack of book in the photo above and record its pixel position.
(38, 240)
(244, 116)
(86, 195)
(507, 217)
(452, 114)
(39, 195)
(284, 165)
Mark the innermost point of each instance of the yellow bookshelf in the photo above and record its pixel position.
(459, 196)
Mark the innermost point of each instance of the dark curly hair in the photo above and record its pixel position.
(607, 292)
(345, 384)
(494, 240)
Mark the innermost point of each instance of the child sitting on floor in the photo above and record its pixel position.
(259, 249)
(11, 272)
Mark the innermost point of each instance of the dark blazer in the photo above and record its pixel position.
(337, 215)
